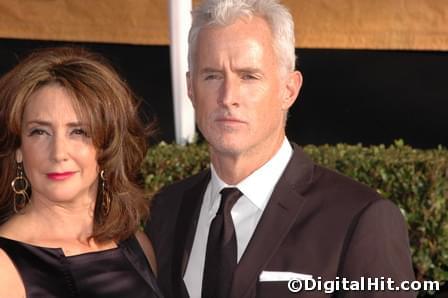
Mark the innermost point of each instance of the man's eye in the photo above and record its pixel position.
(249, 77)
(211, 77)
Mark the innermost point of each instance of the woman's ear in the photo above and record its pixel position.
(19, 157)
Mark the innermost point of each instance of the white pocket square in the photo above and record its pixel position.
(282, 276)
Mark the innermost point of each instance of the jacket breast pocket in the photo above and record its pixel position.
(274, 289)
(279, 289)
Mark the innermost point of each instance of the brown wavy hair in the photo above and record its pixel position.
(108, 106)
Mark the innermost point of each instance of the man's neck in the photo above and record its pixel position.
(233, 168)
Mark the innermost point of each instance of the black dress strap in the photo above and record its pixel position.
(134, 252)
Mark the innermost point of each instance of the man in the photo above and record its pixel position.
(289, 218)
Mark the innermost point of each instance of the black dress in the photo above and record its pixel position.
(116, 273)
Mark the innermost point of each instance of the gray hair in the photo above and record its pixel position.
(225, 12)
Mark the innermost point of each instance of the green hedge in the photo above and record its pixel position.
(415, 180)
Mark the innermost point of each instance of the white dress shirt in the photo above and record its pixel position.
(257, 189)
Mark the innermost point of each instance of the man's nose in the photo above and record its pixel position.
(230, 92)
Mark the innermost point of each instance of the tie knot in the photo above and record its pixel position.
(229, 196)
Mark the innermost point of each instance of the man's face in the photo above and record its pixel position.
(239, 92)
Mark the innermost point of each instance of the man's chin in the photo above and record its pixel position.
(227, 148)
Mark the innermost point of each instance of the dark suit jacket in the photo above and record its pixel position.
(316, 222)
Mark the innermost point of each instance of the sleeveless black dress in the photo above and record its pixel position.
(114, 273)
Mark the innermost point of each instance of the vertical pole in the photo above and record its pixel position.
(180, 21)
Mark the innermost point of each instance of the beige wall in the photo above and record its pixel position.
(349, 24)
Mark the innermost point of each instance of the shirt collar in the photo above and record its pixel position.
(259, 185)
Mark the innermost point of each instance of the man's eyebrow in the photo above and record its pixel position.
(209, 69)
(239, 70)
(249, 70)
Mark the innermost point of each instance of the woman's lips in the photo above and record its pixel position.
(60, 176)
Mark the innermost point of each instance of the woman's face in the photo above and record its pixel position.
(57, 152)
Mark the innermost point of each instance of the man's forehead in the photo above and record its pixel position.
(234, 36)
(244, 44)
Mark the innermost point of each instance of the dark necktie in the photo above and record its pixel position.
(221, 254)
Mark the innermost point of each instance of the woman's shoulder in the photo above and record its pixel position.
(11, 284)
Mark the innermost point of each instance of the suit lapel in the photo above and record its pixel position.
(185, 230)
(279, 215)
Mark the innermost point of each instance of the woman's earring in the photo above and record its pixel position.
(105, 194)
(19, 186)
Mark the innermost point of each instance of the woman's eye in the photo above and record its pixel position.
(79, 131)
(37, 132)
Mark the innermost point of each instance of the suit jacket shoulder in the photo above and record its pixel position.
(166, 204)
(340, 193)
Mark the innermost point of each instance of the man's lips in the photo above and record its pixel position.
(229, 120)
(60, 175)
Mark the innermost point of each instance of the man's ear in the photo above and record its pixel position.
(19, 157)
(293, 84)
(190, 88)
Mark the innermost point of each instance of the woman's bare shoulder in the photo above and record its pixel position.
(11, 284)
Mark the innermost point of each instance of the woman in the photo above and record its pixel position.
(71, 145)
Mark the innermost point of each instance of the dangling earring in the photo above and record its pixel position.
(19, 186)
(106, 197)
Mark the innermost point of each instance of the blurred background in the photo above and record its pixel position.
(374, 70)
